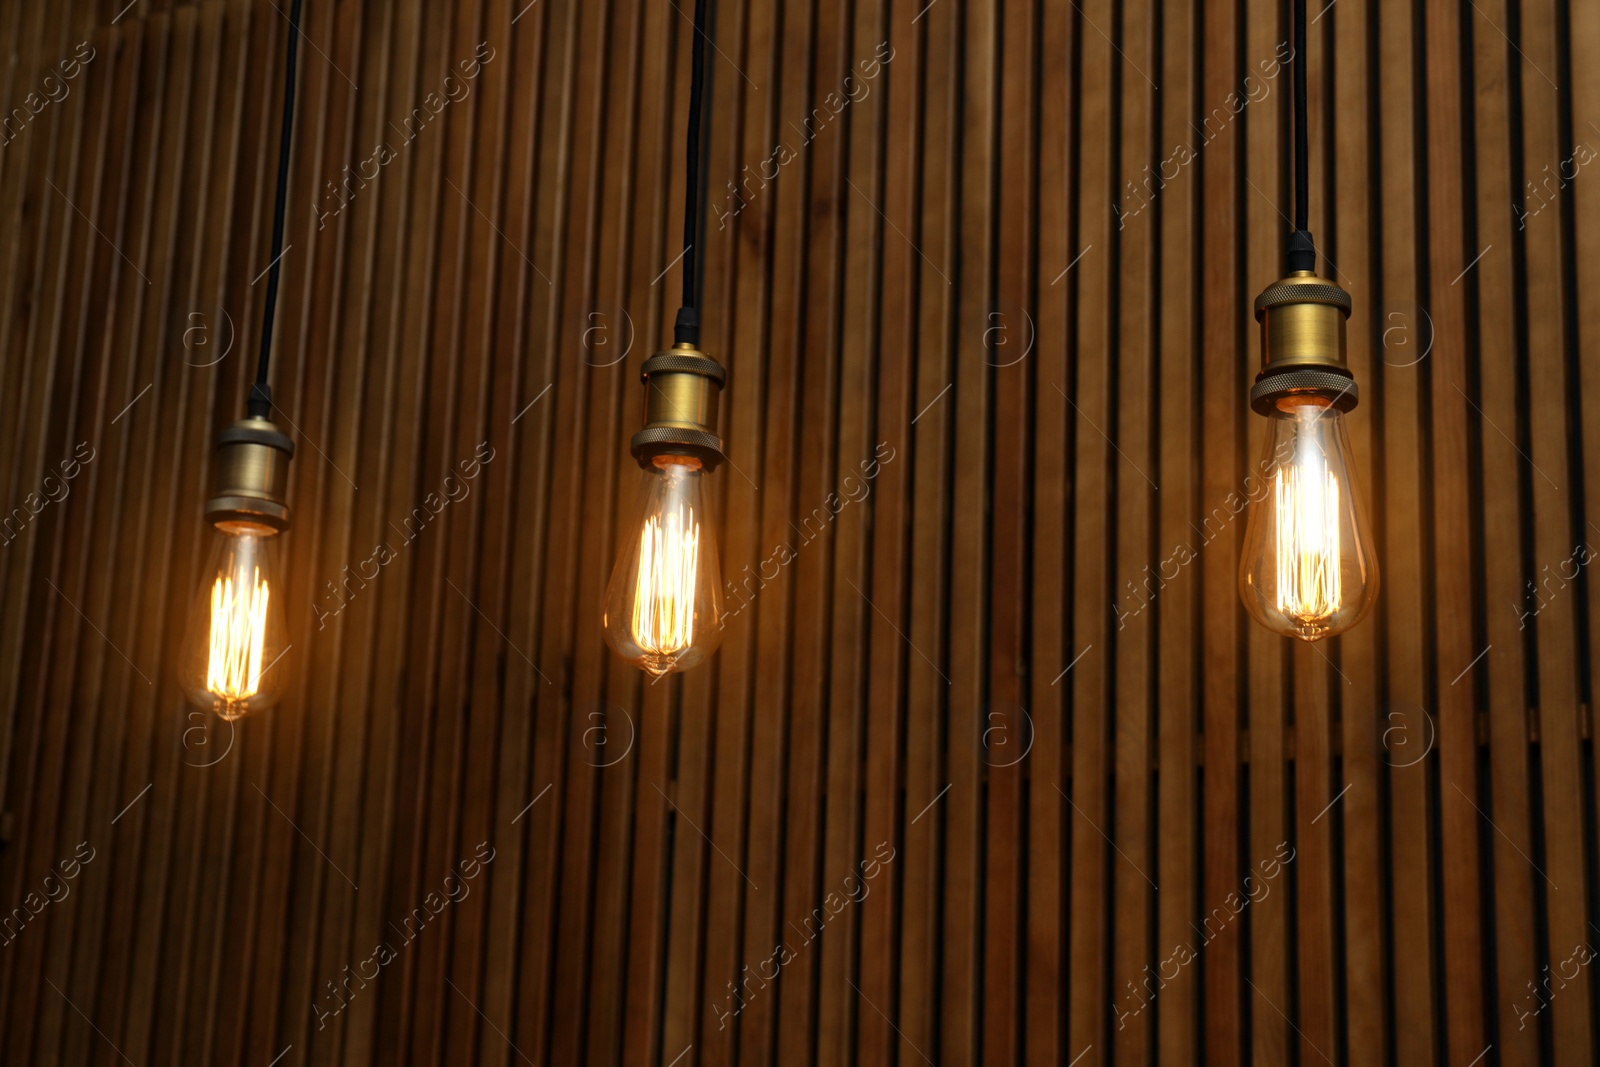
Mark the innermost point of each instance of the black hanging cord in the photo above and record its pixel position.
(260, 394)
(687, 328)
(1302, 251)
(1302, 151)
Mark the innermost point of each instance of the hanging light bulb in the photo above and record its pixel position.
(234, 647)
(664, 604)
(1307, 570)
(236, 639)
(663, 609)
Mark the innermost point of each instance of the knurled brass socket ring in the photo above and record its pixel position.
(685, 361)
(680, 407)
(1289, 291)
(1337, 388)
(653, 441)
(252, 475)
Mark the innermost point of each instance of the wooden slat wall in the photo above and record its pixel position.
(999, 305)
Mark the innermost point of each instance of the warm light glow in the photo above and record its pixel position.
(1306, 569)
(663, 602)
(238, 635)
(1306, 495)
(233, 659)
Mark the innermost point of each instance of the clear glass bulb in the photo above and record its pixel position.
(1307, 569)
(236, 637)
(664, 604)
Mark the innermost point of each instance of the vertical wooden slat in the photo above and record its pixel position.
(1502, 675)
(962, 963)
(1177, 610)
(1315, 794)
(888, 736)
(1543, 353)
(1090, 392)
(1223, 343)
(917, 1020)
(1398, 497)
(1464, 972)
(1584, 25)
(1005, 725)
(1134, 883)
(1049, 976)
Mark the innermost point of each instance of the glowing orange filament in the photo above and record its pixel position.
(663, 604)
(238, 631)
(1307, 499)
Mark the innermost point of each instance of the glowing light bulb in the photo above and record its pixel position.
(1307, 569)
(236, 638)
(664, 603)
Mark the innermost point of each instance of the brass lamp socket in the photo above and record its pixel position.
(680, 407)
(252, 476)
(1302, 343)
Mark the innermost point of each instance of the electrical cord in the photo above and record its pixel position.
(687, 328)
(1302, 250)
(1302, 150)
(260, 404)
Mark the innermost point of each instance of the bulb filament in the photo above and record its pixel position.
(238, 632)
(1307, 499)
(663, 603)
